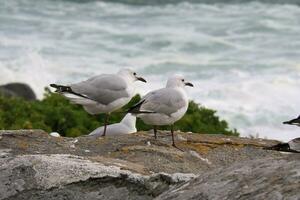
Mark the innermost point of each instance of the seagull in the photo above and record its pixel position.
(164, 106)
(104, 93)
(295, 121)
(126, 126)
(291, 146)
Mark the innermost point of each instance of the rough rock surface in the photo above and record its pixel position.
(34, 165)
(266, 178)
(17, 90)
(56, 176)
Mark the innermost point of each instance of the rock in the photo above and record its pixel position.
(219, 150)
(17, 90)
(45, 176)
(35, 165)
(267, 178)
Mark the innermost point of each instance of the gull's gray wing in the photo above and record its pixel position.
(166, 101)
(104, 88)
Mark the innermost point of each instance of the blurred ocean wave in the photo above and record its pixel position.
(164, 2)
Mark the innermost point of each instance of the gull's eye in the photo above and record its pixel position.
(134, 73)
(182, 80)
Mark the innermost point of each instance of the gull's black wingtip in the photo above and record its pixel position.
(61, 88)
(57, 87)
(135, 108)
(53, 85)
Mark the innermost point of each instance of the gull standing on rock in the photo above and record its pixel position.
(291, 146)
(126, 126)
(164, 106)
(104, 93)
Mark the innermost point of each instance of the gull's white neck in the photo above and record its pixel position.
(180, 89)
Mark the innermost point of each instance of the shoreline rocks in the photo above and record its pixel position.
(266, 178)
(35, 165)
(37, 176)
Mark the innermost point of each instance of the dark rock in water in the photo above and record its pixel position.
(17, 90)
(35, 165)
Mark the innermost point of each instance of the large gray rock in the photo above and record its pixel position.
(266, 178)
(73, 177)
(17, 90)
(34, 165)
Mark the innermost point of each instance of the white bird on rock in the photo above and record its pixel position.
(104, 93)
(164, 106)
(126, 126)
(291, 146)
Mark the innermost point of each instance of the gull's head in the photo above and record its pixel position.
(178, 81)
(131, 75)
(293, 121)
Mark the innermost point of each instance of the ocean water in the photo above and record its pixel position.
(243, 58)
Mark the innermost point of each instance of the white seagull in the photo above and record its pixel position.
(126, 126)
(164, 106)
(291, 146)
(104, 93)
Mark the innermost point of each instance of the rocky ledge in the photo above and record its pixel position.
(34, 165)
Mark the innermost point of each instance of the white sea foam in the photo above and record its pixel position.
(244, 59)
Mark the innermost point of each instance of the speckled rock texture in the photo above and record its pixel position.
(267, 178)
(34, 165)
